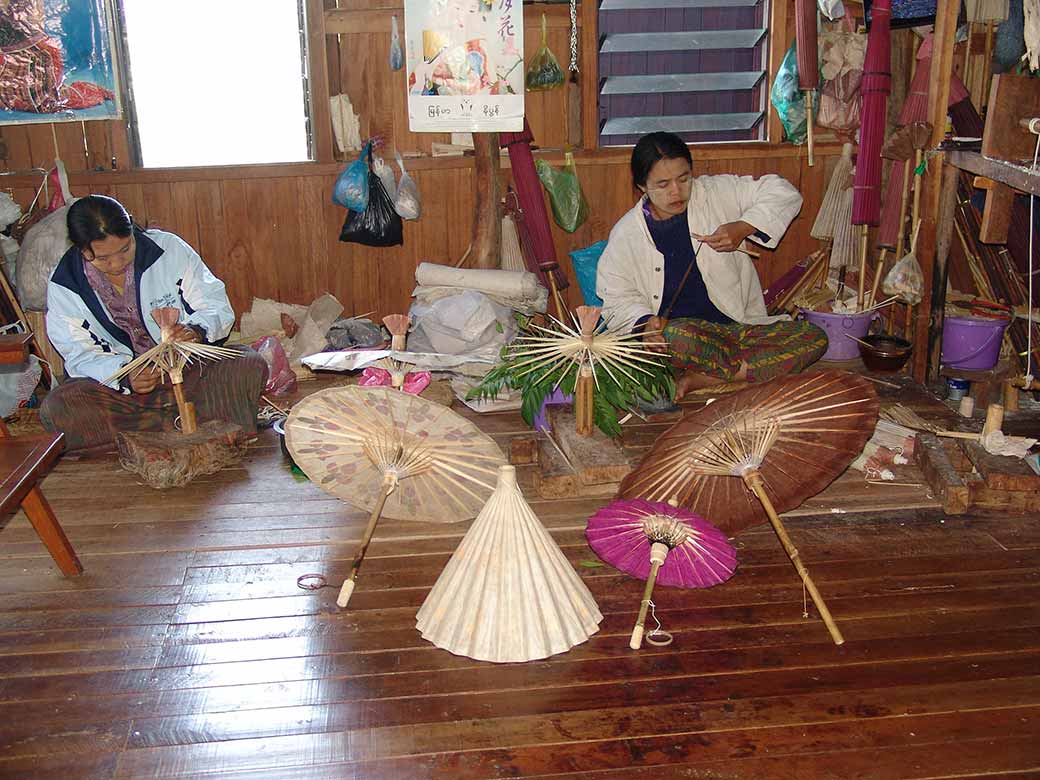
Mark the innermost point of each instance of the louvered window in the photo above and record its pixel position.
(693, 67)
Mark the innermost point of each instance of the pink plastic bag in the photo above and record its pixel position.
(414, 382)
(281, 379)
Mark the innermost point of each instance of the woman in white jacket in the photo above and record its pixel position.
(674, 269)
(99, 303)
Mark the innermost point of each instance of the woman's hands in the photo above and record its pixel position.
(145, 380)
(653, 336)
(728, 237)
(184, 333)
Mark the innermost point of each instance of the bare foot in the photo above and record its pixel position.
(692, 380)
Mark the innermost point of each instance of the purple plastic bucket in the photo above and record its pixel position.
(838, 328)
(972, 343)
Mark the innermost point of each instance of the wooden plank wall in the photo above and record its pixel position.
(272, 231)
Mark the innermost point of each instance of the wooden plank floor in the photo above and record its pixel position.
(186, 649)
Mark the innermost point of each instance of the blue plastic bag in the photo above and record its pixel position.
(585, 262)
(351, 188)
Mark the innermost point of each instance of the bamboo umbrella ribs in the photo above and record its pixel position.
(397, 325)
(808, 56)
(171, 357)
(394, 454)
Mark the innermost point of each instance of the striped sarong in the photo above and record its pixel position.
(768, 350)
(90, 414)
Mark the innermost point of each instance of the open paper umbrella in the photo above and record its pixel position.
(394, 454)
(786, 440)
(172, 357)
(658, 542)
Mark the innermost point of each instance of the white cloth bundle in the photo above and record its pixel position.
(519, 290)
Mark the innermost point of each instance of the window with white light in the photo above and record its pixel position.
(217, 82)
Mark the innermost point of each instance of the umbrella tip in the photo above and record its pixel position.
(506, 477)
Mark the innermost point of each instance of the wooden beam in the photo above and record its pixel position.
(938, 100)
(317, 64)
(345, 21)
(780, 37)
(943, 240)
(996, 170)
(942, 69)
(588, 43)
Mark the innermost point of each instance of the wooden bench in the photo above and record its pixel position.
(24, 461)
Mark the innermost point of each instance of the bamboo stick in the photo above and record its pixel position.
(862, 267)
(753, 479)
(345, 591)
(187, 417)
(583, 401)
(658, 554)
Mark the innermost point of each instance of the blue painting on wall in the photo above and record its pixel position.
(56, 61)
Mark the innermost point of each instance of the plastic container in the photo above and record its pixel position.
(972, 343)
(956, 389)
(838, 328)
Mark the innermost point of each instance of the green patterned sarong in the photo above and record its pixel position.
(768, 350)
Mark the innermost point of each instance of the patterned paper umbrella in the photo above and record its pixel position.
(392, 453)
(658, 542)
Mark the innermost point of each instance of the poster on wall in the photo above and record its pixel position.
(465, 65)
(56, 61)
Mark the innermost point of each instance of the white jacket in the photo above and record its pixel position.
(168, 272)
(630, 275)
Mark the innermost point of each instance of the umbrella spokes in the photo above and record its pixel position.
(734, 444)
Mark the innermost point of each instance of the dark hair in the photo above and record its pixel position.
(96, 217)
(653, 147)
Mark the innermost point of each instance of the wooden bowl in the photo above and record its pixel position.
(882, 352)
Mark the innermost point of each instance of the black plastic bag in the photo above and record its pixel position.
(379, 224)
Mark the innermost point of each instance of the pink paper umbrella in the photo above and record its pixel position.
(658, 542)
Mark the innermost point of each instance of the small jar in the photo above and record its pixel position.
(956, 389)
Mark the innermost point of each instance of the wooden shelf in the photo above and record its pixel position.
(997, 170)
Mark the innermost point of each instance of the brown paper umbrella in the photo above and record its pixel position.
(759, 452)
(393, 454)
(171, 358)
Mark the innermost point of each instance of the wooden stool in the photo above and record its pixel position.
(24, 461)
(986, 386)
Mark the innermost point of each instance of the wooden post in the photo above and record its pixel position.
(487, 219)
(943, 240)
(938, 102)
(588, 57)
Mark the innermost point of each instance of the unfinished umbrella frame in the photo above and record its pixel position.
(171, 358)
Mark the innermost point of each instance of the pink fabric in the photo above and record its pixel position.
(414, 383)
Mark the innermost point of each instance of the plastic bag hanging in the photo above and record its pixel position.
(906, 279)
(396, 55)
(351, 188)
(569, 207)
(386, 175)
(788, 100)
(377, 225)
(407, 203)
(544, 72)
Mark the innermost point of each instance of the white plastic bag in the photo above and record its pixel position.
(906, 278)
(407, 203)
(386, 175)
(42, 249)
(465, 322)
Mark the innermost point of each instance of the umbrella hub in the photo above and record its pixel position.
(398, 454)
(734, 444)
(668, 531)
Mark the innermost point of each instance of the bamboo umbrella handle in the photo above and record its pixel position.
(754, 481)
(862, 267)
(809, 125)
(657, 558)
(389, 482)
(877, 276)
(184, 409)
(904, 201)
(560, 308)
(583, 401)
